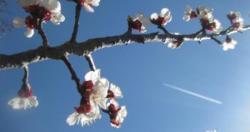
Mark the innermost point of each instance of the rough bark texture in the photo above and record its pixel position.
(83, 48)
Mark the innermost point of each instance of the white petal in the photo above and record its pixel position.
(18, 22)
(100, 92)
(88, 7)
(33, 102)
(57, 19)
(188, 9)
(154, 16)
(72, 118)
(55, 6)
(122, 114)
(116, 90)
(114, 102)
(14, 103)
(95, 3)
(114, 125)
(93, 75)
(164, 11)
(29, 33)
(168, 19)
(23, 103)
(186, 18)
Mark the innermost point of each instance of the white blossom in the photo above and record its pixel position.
(189, 14)
(47, 10)
(236, 20)
(93, 99)
(216, 26)
(24, 98)
(163, 18)
(229, 44)
(205, 12)
(138, 22)
(117, 113)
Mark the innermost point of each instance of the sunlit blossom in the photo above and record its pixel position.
(163, 18)
(229, 44)
(24, 98)
(45, 10)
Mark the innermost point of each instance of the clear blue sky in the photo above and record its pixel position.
(140, 70)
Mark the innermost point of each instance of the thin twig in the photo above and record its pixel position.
(26, 74)
(76, 25)
(90, 61)
(42, 34)
(163, 29)
(72, 72)
(216, 40)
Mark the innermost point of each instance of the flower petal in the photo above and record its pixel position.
(88, 8)
(29, 33)
(18, 22)
(93, 75)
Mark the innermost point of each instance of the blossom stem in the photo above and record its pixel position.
(26, 74)
(163, 29)
(90, 61)
(129, 31)
(216, 40)
(76, 25)
(73, 73)
(42, 34)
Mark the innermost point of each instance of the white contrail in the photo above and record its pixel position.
(193, 93)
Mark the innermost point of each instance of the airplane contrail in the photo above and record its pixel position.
(193, 93)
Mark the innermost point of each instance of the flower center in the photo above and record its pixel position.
(137, 24)
(40, 12)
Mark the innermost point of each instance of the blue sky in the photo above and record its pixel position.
(140, 70)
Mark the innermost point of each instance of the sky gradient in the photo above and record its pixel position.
(140, 71)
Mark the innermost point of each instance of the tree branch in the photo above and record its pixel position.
(76, 25)
(72, 72)
(42, 34)
(91, 45)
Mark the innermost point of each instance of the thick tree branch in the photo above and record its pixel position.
(91, 45)
(72, 72)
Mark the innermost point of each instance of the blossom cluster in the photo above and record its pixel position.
(206, 17)
(98, 94)
(39, 11)
(160, 19)
(236, 20)
(237, 24)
